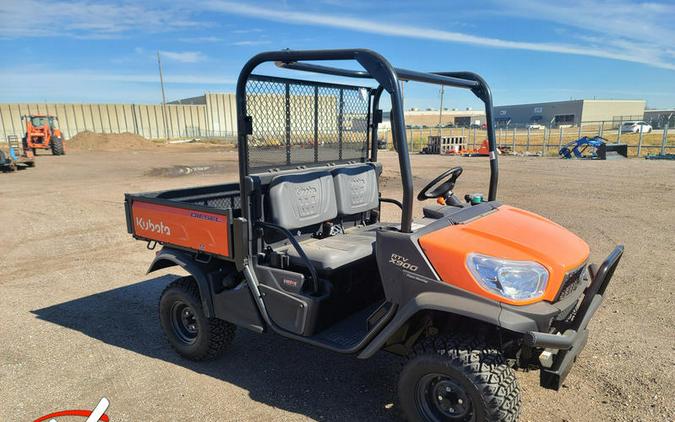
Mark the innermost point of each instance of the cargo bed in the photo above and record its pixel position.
(197, 219)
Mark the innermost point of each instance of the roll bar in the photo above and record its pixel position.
(375, 67)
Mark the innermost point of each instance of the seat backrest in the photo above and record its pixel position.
(302, 200)
(356, 189)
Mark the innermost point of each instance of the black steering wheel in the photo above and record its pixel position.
(443, 189)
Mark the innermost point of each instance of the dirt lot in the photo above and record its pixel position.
(79, 314)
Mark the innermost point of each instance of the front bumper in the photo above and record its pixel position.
(572, 334)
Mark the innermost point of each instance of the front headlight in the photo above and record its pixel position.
(517, 280)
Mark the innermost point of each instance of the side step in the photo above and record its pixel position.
(350, 331)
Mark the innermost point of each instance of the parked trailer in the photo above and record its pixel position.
(16, 157)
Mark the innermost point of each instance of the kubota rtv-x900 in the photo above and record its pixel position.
(467, 293)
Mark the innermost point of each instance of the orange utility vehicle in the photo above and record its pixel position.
(468, 293)
(42, 132)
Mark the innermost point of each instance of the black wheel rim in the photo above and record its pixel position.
(184, 322)
(439, 398)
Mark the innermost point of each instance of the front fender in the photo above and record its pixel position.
(468, 306)
(168, 257)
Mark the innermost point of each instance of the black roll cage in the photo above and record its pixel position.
(378, 68)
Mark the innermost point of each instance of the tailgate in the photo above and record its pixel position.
(183, 225)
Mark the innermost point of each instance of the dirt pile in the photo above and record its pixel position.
(90, 141)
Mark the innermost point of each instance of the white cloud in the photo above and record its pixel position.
(651, 58)
(92, 86)
(206, 39)
(246, 31)
(21, 77)
(183, 56)
(86, 19)
(251, 42)
(642, 30)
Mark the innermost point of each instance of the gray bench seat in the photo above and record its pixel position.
(333, 252)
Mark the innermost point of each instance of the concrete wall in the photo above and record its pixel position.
(215, 118)
(222, 111)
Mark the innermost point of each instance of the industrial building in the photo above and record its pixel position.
(568, 113)
(432, 117)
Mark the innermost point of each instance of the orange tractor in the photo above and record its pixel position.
(42, 132)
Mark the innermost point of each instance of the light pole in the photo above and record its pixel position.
(440, 113)
(161, 82)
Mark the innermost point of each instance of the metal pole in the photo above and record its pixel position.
(513, 140)
(161, 82)
(602, 128)
(440, 113)
(527, 146)
(561, 137)
(341, 118)
(664, 138)
(618, 136)
(546, 133)
(579, 134)
(639, 148)
(288, 125)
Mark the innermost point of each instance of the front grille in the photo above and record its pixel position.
(571, 282)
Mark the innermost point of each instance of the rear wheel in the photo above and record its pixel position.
(57, 146)
(188, 330)
(458, 378)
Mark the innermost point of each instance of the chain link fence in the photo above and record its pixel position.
(546, 140)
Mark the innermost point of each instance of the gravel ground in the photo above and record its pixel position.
(80, 314)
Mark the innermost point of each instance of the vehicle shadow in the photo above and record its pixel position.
(296, 377)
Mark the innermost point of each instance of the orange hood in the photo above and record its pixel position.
(508, 233)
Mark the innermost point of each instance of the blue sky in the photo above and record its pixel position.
(528, 50)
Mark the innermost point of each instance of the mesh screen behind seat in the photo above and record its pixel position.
(298, 122)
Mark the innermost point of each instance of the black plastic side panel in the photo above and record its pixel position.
(397, 255)
(236, 305)
(289, 312)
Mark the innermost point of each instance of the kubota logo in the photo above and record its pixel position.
(98, 414)
(148, 225)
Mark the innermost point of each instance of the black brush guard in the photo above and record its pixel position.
(574, 334)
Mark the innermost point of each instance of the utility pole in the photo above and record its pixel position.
(161, 82)
(440, 113)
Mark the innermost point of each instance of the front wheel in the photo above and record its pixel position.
(57, 146)
(458, 378)
(188, 330)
